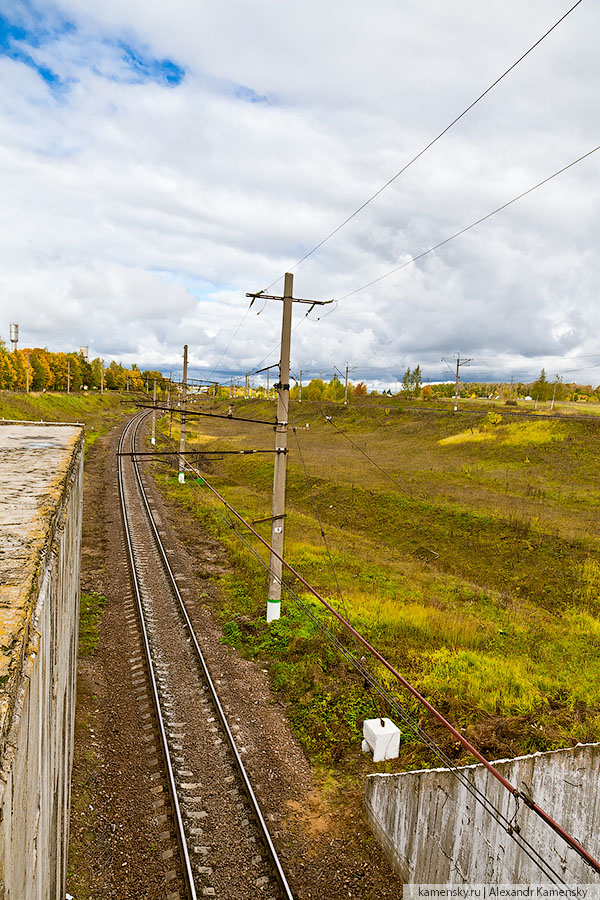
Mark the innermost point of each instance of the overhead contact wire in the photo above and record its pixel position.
(319, 520)
(518, 795)
(452, 237)
(573, 844)
(329, 421)
(430, 144)
(404, 716)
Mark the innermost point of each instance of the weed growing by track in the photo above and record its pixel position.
(90, 612)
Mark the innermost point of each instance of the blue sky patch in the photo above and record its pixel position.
(201, 288)
(28, 30)
(148, 68)
(14, 40)
(250, 96)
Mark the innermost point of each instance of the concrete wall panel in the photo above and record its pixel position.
(434, 832)
(41, 470)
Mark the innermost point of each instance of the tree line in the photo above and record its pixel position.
(49, 371)
(72, 371)
(412, 388)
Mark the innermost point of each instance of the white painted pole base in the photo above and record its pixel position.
(273, 610)
(153, 440)
(181, 478)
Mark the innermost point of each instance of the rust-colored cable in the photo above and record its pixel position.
(528, 801)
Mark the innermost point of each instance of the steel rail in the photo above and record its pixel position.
(501, 410)
(267, 840)
(181, 838)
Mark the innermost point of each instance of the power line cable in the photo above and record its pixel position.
(397, 485)
(269, 354)
(430, 144)
(404, 715)
(452, 237)
(367, 681)
(508, 825)
(232, 339)
(319, 520)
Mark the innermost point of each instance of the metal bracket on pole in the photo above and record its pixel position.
(268, 519)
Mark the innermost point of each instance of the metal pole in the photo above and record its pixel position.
(283, 395)
(68, 376)
(554, 393)
(28, 371)
(300, 394)
(154, 414)
(101, 378)
(182, 433)
(346, 388)
(456, 388)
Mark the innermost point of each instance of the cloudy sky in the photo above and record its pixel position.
(161, 159)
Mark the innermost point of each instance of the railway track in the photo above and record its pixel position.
(214, 830)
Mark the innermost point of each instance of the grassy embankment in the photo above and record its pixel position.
(475, 570)
(98, 412)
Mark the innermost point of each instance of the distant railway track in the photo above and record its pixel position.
(222, 846)
(516, 414)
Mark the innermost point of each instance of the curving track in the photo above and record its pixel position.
(223, 847)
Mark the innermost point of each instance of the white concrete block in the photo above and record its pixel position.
(382, 737)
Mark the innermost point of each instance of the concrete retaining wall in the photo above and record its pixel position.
(434, 832)
(40, 538)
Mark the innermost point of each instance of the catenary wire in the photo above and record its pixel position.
(231, 340)
(529, 802)
(452, 237)
(430, 144)
(477, 794)
(319, 520)
(397, 485)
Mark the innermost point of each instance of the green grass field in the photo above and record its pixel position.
(468, 555)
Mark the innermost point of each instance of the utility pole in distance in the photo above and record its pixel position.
(348, 369)
(281, 428)
(459, 362)
(154, 414)
(182, 417)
